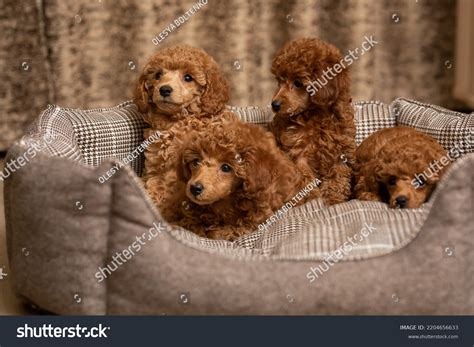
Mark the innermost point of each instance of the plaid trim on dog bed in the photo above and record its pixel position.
(54, 132)
(110, 133)
(371, 116)
(451, 129)
(261, 116)
(91, 136)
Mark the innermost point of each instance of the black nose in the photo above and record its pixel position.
(196, 189)
(276, 105)
(401, 201)
(165, 90)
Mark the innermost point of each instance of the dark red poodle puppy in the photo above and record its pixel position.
(399, 166)
(231, 178)
(314, 118)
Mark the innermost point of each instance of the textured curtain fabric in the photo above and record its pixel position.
(88, 53)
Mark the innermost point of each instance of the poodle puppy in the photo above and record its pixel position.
(399, 166)
(315, 127)
(180, 88)
(231, 178)
(178, 82)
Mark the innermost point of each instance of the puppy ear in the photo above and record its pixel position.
(216, 91)
(183, 172)
(376, 176)
(374, 173)
(141, 95)
(256, 173)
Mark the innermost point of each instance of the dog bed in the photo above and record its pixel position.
(84, 238)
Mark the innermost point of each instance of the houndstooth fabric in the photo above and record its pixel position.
(91, 136)
(371, 116)
(255, 115)
(54, 133)
(451, 129)
(313, 232)
(109, 133)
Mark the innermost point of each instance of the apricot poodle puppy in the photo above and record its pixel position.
(231, 178)
(314, 118)
(180, 88)
(399, 166)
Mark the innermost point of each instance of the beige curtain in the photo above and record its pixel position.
(464, 79)
(87, 53)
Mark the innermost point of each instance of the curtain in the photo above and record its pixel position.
(88, 53)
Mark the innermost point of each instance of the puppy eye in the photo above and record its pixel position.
(298, 84)
(157, 75)
(392, 181)
(188, 78)
(226, 168)
(195, 163)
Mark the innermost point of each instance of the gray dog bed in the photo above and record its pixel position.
(84, 238)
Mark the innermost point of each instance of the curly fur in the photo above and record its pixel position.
(388, 163)
(210, 94)
(316, 131)
(163, 157)
(262, 180)
(211, 100)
